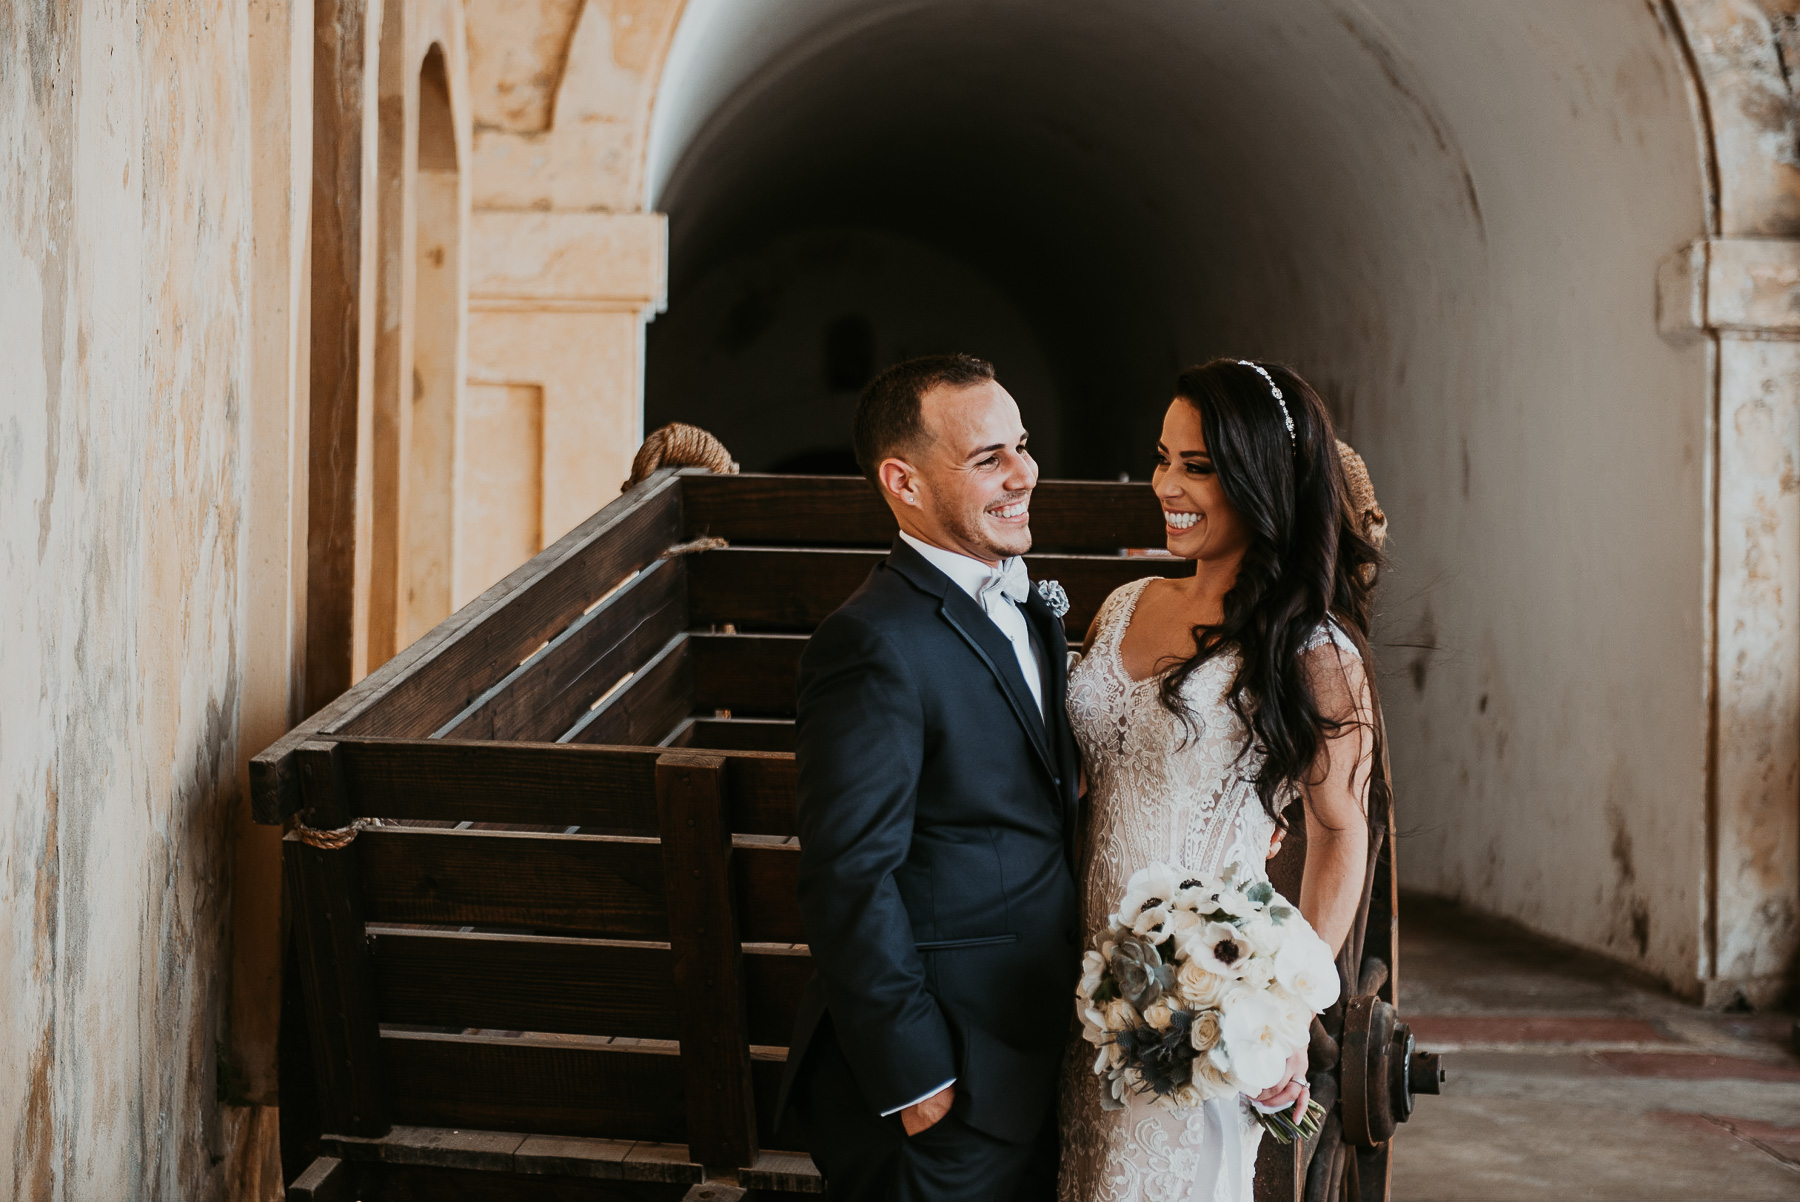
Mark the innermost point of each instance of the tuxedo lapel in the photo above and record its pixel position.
(1049, 630)
(992, 647)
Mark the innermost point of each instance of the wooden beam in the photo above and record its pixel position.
(334, 957)
(588, 884)
(610, 789)
(833, 511)
(551, 690)
(709, 1000)
(436, 677)
(342, 323)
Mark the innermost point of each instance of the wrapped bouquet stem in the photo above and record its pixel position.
(1203, 988)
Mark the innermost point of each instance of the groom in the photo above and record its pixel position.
(937, 814)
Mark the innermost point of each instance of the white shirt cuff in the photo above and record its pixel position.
(927, 1094)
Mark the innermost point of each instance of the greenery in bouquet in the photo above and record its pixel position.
(1202, 988)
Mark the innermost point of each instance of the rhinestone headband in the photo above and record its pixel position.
(1274, 388)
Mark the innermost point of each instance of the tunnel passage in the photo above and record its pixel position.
(1091, 195)
(1448, 216)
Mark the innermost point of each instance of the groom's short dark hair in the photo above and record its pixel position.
(889, 420)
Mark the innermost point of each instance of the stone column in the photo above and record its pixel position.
(1744, 294)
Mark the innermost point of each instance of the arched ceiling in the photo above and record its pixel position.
(1447, 214)
(1158, 182)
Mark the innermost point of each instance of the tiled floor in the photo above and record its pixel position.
(1570, 1081)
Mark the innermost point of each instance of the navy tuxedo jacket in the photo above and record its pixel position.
(937, 813)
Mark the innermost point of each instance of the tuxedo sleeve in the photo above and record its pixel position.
(860, 741)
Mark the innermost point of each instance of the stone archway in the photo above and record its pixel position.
(1453, 219)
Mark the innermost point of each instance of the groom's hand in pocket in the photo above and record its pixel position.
(922, 1116)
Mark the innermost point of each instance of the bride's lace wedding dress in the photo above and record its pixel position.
(1153, 796)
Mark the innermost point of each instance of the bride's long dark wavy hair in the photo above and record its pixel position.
(1307, 559)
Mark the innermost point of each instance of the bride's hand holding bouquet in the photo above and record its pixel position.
(1202, 989)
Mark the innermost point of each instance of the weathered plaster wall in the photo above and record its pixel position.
(125, 242)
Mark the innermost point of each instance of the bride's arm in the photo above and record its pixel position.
(1337, 802)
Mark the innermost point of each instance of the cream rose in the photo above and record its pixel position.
(1119, 1014)
(1204, 1032)
(1199, 985)
(1158, 1013)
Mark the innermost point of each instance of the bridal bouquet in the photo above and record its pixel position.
(1202, 989)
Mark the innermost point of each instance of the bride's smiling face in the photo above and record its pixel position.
(1198, 521)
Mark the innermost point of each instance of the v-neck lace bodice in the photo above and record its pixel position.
(1158, 790)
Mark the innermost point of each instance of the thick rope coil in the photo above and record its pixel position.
(333, 840)
(680, 445)
(1362, 495)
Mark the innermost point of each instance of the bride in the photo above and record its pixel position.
(1204, 705)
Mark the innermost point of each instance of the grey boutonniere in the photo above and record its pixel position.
(1052, 593)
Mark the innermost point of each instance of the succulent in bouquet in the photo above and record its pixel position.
(1202, 988)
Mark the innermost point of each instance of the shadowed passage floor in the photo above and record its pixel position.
(1568, 1080)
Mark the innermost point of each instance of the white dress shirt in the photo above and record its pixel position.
(975, 578)
(979, 580)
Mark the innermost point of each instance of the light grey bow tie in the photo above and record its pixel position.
(1009, 580)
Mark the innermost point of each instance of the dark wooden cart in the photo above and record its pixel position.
(541, 865)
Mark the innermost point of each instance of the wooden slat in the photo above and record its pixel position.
(787, 1172)
(532, 1157)
(767, 588)
(1066, 515)
(762, 792)
(553, 689)
(767, 881)
(536, 1085)
(740, 734)
(644, 709)
(596, 885)
(773, 980)
(523, 983)
(765, 1073)
(474, 647)
(334, 961)
(538, 784)
(428, 1183)
(709, 987)
(553, 596)
(326, 1179)
(748, 674)
(753, 588)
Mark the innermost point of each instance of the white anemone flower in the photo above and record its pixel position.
(1305, 968)
(1152, 885)
(1221, 949)
(1253, 1030)
(1151, 923)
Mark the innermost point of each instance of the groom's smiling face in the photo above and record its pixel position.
(969, 488)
